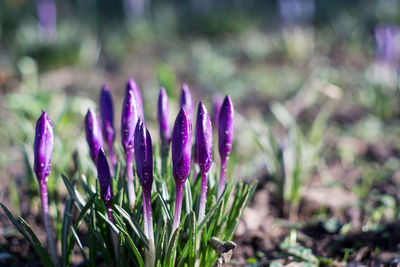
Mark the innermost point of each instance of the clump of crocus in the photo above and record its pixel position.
(187, 101)
(165, 127)
(104, 176)
(129, 118)
(225, 138)
(217, 100)
(132, 86)
(181, 153)
(144, 170)
(204, 152)
(43, 149)
(107, 119)
(94, 137)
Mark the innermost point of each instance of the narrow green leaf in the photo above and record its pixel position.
(78, 242)
(132, 245)
(85, 209)
(71, 191)
(169, 260)
(64, 233)
(44, 256)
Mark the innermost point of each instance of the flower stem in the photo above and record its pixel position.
(130, 180)
(203, 197)
(109, 211)
(113, 158)
(148, 226)
(51, 244)
(178, 206)
(221, 186)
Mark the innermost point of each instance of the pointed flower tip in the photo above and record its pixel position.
(225, 127)
(43, 147)
(131, 85)
(203, 138)
(186, 100)
(104, 176)
(163, 116)
(94, 136)
(143, 155)
(107, 114)
(129, 118)
(181, 146)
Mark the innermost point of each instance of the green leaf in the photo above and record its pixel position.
(164, 206)
(65, 254)
(71, 191)
(192, 238)
(133, 224)
(132, 245)
(169, 260)
(85, 209)
(44, 256)
(78, 242)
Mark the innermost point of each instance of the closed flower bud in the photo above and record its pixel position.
(225, 138)
(129, 118)
(203, 138)
(43, 147)
(181, 146)
(225, 128)
(94, 136)
(187, 101)
(132, 86)
(163, 117)
(143, 154)
(107, 119)
(104, 176)
(204, 152)
(181, 152)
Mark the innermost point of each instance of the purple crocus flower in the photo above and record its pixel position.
(129, 119)
(144, 169)
(165, 127)
(43, 150)
(181, 153)
(94, 137)
(187, 101)
(47, 19)
(225, 138)
(132, 86)
(217, 100)
(387, 45)
(204, 152)
(104, 176)
(163, 117)
(107, 119)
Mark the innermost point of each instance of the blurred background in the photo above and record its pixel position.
(315, 85)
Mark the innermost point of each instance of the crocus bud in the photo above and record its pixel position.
(94, 137)
(163, 117)
(203, 138)
(132, 86)
(186, 101)
(181, 152)
(144, 169)
(104, 176)
(143, 154)
(43, 147)
(181, 147)
(204, 153)
(107, 119)
(217, 100)
(225, 138)
(129, 118)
